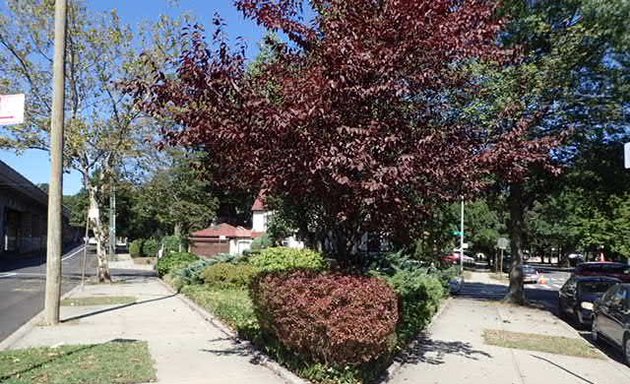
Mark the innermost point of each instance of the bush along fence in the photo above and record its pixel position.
(325, 326)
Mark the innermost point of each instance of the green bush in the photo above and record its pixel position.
(135, 248)
(150, 247)
(226, 275)
(420, 295)
(172, 243)
(192, 273)
(261, 242)
(174, 261)
(285, 259)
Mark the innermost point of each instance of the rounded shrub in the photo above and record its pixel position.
(420, 296)
(228, 275)
(174, 261)
(135, 248)
(280, 259)
(334, 319)
(172, 243)
(150, 247)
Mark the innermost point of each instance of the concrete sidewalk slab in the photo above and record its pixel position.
(453, 351)
(186, 348)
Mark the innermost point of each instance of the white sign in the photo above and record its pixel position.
(626, 155)
(11, 109)
(502, 243)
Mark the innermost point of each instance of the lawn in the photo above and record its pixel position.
(98, 300)
(121, 362)
(542, 343)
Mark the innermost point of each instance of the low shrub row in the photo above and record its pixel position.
(150, 247)
(326, 326)
(174, 261)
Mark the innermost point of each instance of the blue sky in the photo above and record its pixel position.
(35, 165)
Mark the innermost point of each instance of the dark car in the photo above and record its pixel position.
(577, 295)
(617, 270)
(611, 319)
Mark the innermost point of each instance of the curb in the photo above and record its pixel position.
(393, 369)
(262, 359)
(19, 333)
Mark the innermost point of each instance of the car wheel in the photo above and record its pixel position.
(626, 349)
(594, 331)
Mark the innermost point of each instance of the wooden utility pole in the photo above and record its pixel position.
(54, 236)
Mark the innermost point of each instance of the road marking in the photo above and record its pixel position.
(72, 254)
(7, 274)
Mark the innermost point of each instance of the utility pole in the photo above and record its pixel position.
(54, 235)
(461, 237)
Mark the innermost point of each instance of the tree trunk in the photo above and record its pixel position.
(100, 234)
(516, 294)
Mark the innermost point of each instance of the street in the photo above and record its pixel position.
(545, 294)
(22, 284)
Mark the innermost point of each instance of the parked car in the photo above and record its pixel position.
(611, 319)
(577, 295)
(453, 258)
(617, 270)
(530, 274)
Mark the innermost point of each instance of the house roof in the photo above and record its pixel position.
(227, 230)
(259, 204)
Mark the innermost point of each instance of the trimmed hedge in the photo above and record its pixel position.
(280, 259)
(150, 247)
(334, 319)
(420, 296)
(227, 275)
(135, 248)
(174, 261)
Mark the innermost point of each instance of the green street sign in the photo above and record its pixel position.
(457, 233)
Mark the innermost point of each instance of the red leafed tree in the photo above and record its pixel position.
(355, 117)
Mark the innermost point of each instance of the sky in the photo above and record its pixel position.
(35, 164)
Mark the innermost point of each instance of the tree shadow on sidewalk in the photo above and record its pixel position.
(427, 350)
(115, 308)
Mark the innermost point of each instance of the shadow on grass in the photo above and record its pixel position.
(110, 309)
(427, 350)
(59, 357)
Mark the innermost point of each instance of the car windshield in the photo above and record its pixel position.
(528, 270)
(594, 287)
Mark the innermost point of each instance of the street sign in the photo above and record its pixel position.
(11, 109)
(626, 155)
(457, 233)
(502, 243)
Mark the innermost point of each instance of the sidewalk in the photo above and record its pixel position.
(454, 350)
(186, 348)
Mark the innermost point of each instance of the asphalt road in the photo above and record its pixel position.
(544, 294)
(22, 285)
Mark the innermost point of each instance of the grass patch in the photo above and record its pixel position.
(233, 306)
(542, 343)
(98, 300)
(114, 362)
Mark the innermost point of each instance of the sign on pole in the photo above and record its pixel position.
(502, 243)
(626, 155)
(11, 109)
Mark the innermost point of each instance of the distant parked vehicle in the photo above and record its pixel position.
(611, 320)
(577, 295)
(453, 258)
(530, 274)
(617, 270)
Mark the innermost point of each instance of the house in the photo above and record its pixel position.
(222, 238)
(226, 238)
